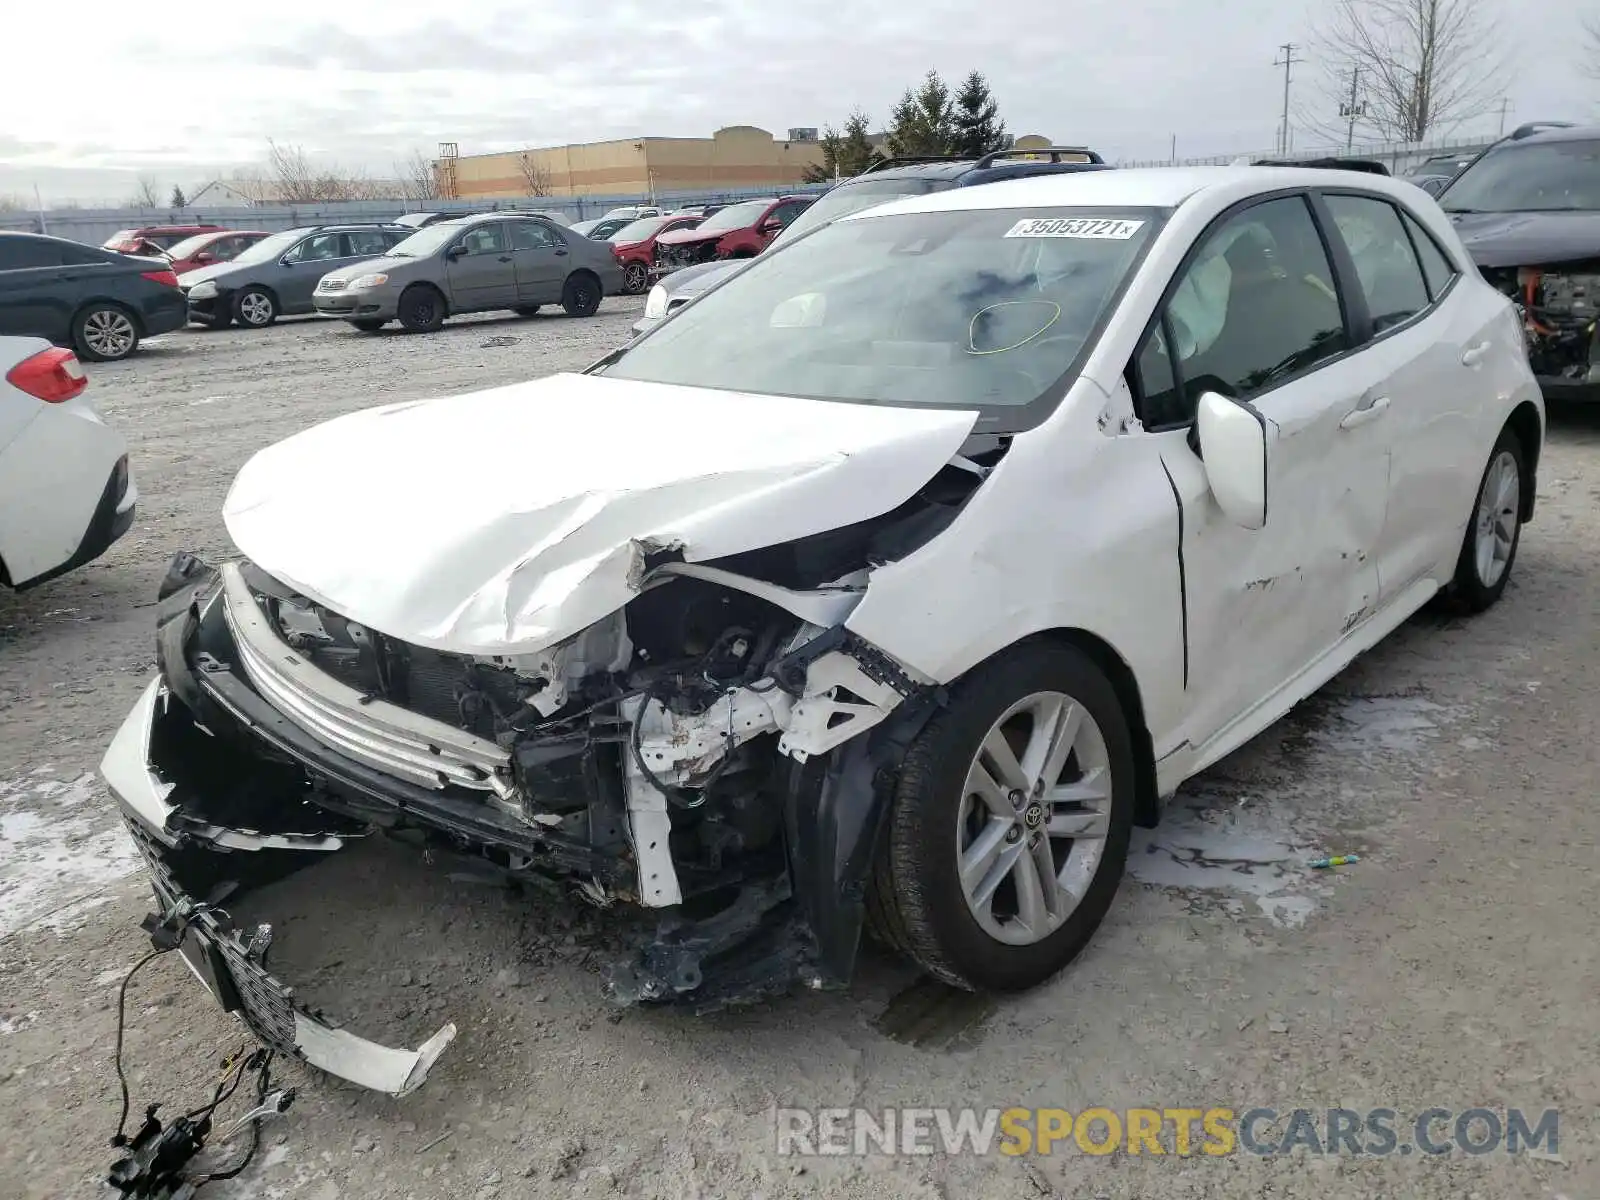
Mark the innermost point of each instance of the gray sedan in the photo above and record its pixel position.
(472, 264)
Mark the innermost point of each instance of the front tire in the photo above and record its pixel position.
(635, 278)
(421, 309)
(581, 295)
(1010, 823)
(1495, 530)
(255, 308)
(105, 333)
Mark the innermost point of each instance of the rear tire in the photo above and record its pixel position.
(220, 320)
(581, 295)
(105, 332)
(990, 929)
(369, 326)
(1494, 530)
(421, 309)
(255, 308)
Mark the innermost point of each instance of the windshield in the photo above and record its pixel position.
(735, 216)
(1551, 177)
(192, 245)
(853, 197)
(637, 231)
(959, 309)
(270, 247)
(424, 241)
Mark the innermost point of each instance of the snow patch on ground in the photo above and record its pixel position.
(61, 845)
(1252, 852)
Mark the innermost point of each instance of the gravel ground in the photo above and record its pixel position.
(1452, 967)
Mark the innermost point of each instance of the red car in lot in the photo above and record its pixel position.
(740, 230)
(207, 249)
(151, 240)
(635, 246)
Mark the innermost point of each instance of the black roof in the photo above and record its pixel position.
(1552, 131)
(965, 171)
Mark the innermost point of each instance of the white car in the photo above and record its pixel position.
(65, 489)
(891, 582)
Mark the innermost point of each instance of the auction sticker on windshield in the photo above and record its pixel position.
(1075, 227)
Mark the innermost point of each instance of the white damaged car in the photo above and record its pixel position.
(888, 585)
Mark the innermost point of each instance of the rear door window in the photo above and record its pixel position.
(1385, 261)
(1436, 268)
(20, 254)
(534, 235)
(366, 241)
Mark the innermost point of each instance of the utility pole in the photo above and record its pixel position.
(1287, 62)
(1353, 108)
(1505, 106)
(1172, 159)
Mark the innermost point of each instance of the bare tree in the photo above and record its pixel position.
(146, 192)
(418, 179)
(294, 180)
(1589, 61)
(535, 175)
(1415, 67)
(13, 203)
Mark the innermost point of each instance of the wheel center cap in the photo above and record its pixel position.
(1033, 816)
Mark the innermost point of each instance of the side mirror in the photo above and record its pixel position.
(771, 225)
(455, 252)
(204, 257)
(1233, 444)
(1433, 185)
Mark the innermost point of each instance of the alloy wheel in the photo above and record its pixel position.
(110, 333)
(256, 308)
(1035, 812)
(1496, 531)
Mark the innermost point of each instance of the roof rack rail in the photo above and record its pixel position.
(1055, 153)
(911, 160)
(1533, 127)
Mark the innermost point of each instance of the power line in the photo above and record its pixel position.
(1287, 62)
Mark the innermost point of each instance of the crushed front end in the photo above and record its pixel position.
(721, 749)
(1560, 307)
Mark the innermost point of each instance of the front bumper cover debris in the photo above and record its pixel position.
(224, 792)
(229, 961)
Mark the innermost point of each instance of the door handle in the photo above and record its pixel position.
(1475, 354)
(1368, 410)
(561, 253)
(505, 258)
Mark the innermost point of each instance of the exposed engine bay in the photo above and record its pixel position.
(720, 749)
(1560, 306)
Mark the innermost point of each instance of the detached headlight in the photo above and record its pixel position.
(203, 290)
(368, 281)
(655, 304)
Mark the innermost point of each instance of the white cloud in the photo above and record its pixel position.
(367, 83)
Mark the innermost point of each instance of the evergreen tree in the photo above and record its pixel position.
(923, 122)
(978, 128)
(845, 154)
(178, 199)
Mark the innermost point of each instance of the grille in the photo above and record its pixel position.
(332, 285)
(381, 735)
(268, 1004)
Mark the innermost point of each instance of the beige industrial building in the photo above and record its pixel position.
(735, 157)
(739, 156)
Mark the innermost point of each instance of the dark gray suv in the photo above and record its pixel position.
(277, 275)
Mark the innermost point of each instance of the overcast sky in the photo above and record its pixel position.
(107, 91)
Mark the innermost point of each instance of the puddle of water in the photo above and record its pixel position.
(1248, 853)
(60, 846)
(931, 1015)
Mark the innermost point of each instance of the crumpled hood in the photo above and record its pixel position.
(504, 521)
(685, 237)
(1529, 239)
